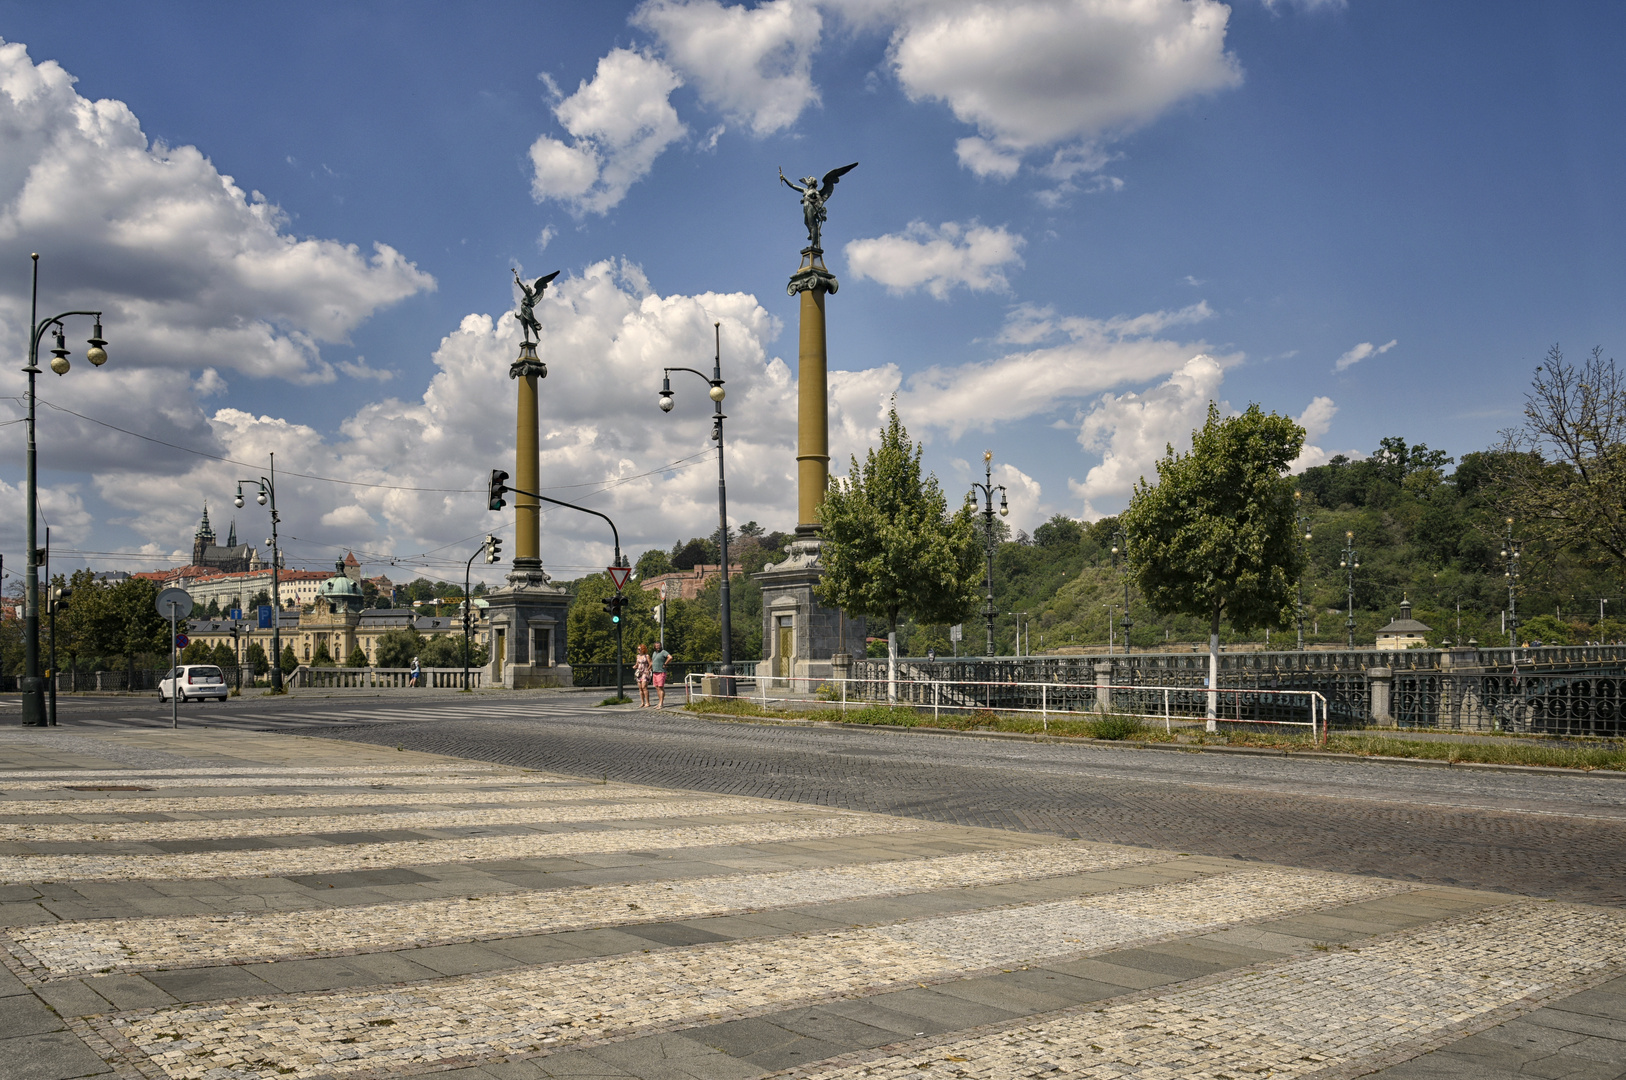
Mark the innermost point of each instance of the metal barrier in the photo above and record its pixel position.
(1186, 704)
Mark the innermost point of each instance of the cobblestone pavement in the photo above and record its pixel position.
(590, 927)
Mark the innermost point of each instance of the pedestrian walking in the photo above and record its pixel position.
(657, 667)
(640, 674)
(412, 679)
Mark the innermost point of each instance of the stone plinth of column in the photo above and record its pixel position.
(526, 619)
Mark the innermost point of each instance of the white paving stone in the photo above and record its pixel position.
(1298, 1017)
(99, 945)
(208, 804)
(16, 869)
(260, 825)
(524, 1010)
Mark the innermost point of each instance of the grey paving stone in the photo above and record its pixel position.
(1057, 984)
(1217, 952)
(1155, 959)
(579, 1064)
(1098, 969)
(26, 1014)
(830, 1026)
(1014, 998)
(330, 973)
(1599, 1001)
(25, 914)
(940, 1012)
(672, 934)
(205, 984)
(1581, 1023)
(536, 949)
(350, 879)
(71, 997)
(523, 1069)
(459, 959)
(130, 992)
(678, 1057)
(602, 942)
(870, 1012)
(10, 984)
(1445, 1065)
(17, 894)
(54, 1055)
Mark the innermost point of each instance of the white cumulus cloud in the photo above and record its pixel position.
(189, 269)
(1361, 352)
(620, 122)
(1131, 431)
(971, 255)
(1038, 73)
(755, 65)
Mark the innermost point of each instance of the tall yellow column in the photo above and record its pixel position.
(812, 412)
(813, 281)
(527, 460)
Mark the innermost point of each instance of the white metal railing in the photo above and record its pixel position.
(371, 678)
(1183, 704)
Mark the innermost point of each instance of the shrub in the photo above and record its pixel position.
(1114, 727)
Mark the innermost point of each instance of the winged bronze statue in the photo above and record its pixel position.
(527, 304)
(815, 193)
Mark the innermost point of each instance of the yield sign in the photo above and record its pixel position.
(619, 575)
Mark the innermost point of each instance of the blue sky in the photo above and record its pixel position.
(1074, 222)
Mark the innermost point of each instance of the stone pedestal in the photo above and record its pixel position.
(1382, 682)
(1103, 687)
(526, 634)
(800, 636)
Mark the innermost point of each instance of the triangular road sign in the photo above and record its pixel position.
(619, 575)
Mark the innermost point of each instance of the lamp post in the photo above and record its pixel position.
(33, 685)
(717, 393)
(268, 492)
(1510, 552)
(987, 490)
(1021, 617)
(1120, 543)
(1351, 562)
(1304, 539)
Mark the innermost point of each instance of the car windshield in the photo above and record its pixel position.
(204, 674)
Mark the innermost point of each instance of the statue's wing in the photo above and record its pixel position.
(542, 282)
(831, 177)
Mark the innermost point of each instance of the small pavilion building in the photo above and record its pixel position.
(1404, 632)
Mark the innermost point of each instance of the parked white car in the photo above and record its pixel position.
(193, 682)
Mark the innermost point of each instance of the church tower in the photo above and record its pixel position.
(203, 539)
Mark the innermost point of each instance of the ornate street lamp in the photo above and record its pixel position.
(1120, 545)
(717, 393)
(1351, 562)
(33, 685)
(268, 492)
(988, 490)
(1511, 550)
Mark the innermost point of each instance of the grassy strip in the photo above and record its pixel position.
(1125, 727)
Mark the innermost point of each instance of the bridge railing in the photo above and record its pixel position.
(374, 678)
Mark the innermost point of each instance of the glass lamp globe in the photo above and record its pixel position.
(59, 364)
(260, 498)
(238, 502)
(666, 403)
(718, 393)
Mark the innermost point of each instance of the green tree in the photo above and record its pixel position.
(1215, 536)
(123, 621)
(1566, 466)
(197, 652)
(446, 651)
(261, 599)
(212, 611)
(358, 658)
(322, 657)
(891, 547)
(254, 658)
(592, 636)
(289, 661)
(653, 563)
(396, 648)
(223, 657)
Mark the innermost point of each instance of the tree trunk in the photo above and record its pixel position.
(1213, 672)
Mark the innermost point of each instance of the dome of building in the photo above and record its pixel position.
(341, 591)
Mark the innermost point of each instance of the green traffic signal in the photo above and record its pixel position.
(496, 489)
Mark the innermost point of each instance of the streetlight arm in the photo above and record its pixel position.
(560, 502)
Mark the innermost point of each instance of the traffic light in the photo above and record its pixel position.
(493, 548)
(496, 489)
(612, 607)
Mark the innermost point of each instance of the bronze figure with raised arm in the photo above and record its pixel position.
(527, 304)
(815, 194)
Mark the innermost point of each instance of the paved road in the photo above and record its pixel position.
(1551, 835)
